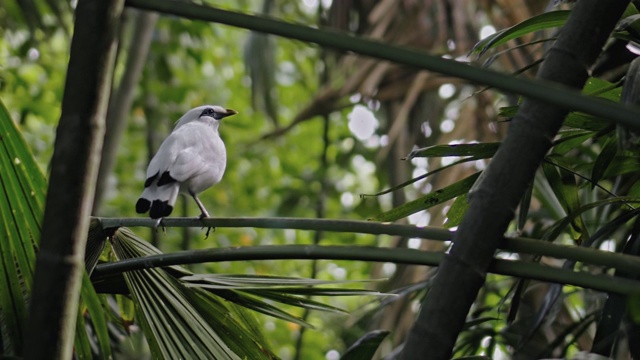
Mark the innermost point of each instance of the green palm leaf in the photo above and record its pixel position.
(544, 21)
(432, 199)
(183, 322)
(22, 199)
(366, 346)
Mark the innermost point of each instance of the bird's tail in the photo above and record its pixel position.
(158, 200)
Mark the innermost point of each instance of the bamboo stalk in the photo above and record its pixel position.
(527, 270)
(628, 263)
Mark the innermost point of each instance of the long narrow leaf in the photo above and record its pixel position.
(293, 300)
(423, 176)
(257, 292)
(606, 156)
(253, 303)
(365, 347)
(622, 164)
(569, 140)
(557, 228)
(544, 21)
(82, 346)
(432, 199)
(97, 316)
(564, 187)
(456, 211)
(576, 120)
(477, 150)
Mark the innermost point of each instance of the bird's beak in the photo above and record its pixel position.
(229, 113)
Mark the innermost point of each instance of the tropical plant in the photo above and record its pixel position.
(582, 198)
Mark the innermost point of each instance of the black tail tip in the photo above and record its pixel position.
(160, 209)
(142, 206)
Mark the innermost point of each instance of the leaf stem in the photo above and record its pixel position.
(623, 262)
(361, 253)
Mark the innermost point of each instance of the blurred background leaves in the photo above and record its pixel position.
(317, 128)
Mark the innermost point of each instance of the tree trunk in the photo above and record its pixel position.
(503, 183)
(60, 260)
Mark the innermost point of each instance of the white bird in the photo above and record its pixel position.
(190, 160)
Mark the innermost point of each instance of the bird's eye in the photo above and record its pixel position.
(207, 112)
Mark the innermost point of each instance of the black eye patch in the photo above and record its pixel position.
(208, 112)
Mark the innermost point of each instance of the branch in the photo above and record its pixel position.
(352, 226)
(591, 256)
(361, 253)
(552, 93)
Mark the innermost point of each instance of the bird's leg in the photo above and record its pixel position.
(204, 213)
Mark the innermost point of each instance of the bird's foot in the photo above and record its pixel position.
(160, 223)
(202, 216)
(206, 235)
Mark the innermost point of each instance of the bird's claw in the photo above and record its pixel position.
(160, 223)
(202, 216)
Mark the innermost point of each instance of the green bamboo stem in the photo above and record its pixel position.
(334, 225)
(627, 263)
(549, 92)
(360, 253)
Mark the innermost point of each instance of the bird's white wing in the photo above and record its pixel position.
(174, 153)
(193, 155)
(165, 156)
(192, 150)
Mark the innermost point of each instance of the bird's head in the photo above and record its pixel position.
(206, 112)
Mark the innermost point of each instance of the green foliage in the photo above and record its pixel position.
(543, 21)
(366, 347)
(200, 326)
(21, 209)
(432, 199)
(585, 193)
(206, 310)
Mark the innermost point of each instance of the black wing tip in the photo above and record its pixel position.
(142, 206)
(165, 179)
(160, 209)
(150, 179)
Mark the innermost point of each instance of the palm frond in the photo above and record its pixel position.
(21, 208)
